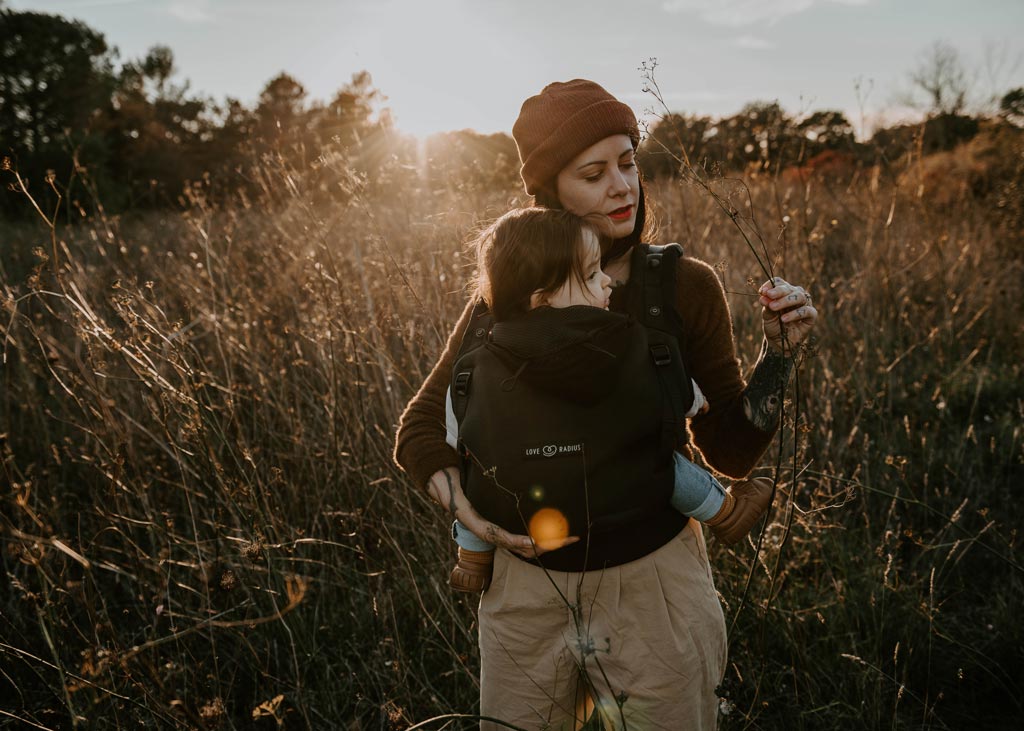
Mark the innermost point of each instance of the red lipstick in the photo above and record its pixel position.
(621, 214)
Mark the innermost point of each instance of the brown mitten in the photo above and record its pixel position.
(745, 503)
(472, 572)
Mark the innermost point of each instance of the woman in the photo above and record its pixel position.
(647, 636)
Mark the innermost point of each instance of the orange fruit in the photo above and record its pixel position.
(548, 528)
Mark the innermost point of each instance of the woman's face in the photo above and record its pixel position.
(603, 180)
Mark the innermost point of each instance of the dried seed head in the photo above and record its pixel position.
(228, 580)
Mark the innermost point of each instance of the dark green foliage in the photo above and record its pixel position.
(56, 81)
(56, 74)
(936, 134)
(761, 136)
(828, 130)
(134, 138)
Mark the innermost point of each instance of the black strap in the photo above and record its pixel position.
(658, 271)
(480, 323)
(653, 270)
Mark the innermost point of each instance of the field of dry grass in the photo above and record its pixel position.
(202, 526)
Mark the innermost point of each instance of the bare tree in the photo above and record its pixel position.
(943, 79)
(999, 67)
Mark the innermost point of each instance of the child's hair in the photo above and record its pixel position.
(528, 251)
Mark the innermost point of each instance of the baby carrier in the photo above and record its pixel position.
(578, 410)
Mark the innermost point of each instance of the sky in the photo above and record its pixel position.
(456, 64)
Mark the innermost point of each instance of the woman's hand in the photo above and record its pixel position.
(786, 307)
(445, 488)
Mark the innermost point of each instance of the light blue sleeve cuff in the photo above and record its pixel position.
(467, 539)
(696, 493)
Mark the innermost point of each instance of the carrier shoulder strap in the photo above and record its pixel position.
(480, 323)
(655, 269)
(657, 283)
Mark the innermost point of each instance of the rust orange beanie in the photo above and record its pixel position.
(566, 118)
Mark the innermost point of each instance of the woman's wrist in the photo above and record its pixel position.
(762, 398)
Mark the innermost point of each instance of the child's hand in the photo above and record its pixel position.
(445, 488)
(700, 403)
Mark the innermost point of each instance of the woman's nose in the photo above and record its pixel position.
(619, 185)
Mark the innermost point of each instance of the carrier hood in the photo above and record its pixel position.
(573, 352)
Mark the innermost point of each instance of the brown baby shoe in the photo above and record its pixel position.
(472, 572)
(745, 503)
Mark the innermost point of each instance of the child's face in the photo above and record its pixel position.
(595, 290)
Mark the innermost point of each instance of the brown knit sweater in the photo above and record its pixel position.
(724, 435)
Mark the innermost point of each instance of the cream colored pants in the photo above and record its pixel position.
(643, 644)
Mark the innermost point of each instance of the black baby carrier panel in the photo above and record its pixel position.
(575, 412)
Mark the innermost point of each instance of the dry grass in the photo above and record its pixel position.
(202, 525)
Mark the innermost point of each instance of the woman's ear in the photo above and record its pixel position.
(537, 299)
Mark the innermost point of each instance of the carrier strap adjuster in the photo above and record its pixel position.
(661, 353)
(462, 383)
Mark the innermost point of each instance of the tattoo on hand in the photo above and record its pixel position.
(762, 401)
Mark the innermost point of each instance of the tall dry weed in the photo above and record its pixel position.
(203, 526)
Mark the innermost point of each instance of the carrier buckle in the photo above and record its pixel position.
(661, 354)
(462, 383)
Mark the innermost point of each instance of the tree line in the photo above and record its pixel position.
(75, 123)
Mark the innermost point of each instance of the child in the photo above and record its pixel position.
(564, 254)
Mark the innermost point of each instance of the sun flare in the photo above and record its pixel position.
(548, 528)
